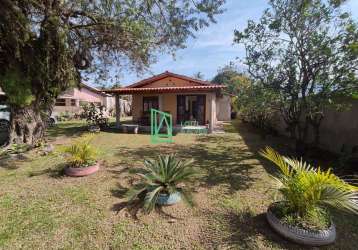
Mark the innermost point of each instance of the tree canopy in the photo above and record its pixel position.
(232, 78)
(306, 52)
(47, 45)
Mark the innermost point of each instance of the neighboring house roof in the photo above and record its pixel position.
(83, 85)
(139, 87)
(69, 93)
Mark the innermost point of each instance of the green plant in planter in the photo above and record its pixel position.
(308, 193)
(81, 153)
(164, 175)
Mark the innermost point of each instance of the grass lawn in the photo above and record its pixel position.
(42, 209)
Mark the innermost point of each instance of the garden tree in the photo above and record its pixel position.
(47, 45)
(257, 106)
(235, 82)
(231, 78)
(110, 86)
(304, 51)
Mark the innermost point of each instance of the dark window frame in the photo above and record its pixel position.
(152, 100)
(60, 102)
(73, 102)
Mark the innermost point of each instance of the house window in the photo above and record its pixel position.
(60, 102)
(150, 102)
(73, 102)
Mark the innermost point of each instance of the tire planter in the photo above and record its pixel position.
(299, 235)
(79, 172)
(168, 199)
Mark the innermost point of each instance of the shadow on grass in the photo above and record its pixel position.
(67, 129)
(55, 172)
(246, 227)
(220, 164)
(13, 161)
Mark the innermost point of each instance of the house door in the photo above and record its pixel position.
(191, 107)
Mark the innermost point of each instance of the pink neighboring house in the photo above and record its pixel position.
(72, 99)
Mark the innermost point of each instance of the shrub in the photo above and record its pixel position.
(81, 153)
(308, 192)
(257, 106)
(164, 175)
(94, 115)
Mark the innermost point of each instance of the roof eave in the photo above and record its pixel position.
(130, 91)
(164, 75)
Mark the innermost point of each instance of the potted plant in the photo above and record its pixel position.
(307, 195)
(81, 158)
(164, 181)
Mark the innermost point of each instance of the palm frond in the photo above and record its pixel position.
(340, 199)
(271, 155)
(151, 198)
(134, 193)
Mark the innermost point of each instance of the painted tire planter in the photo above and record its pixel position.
(79, 172)
(168, 199)
(299, 235)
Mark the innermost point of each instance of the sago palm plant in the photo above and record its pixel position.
(81, 153)
(163, 175)
(306, 190)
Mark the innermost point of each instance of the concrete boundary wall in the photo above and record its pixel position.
(338, 129)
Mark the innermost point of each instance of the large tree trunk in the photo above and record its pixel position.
(26, 125)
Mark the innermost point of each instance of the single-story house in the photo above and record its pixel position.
(72, 99)
(185, 98)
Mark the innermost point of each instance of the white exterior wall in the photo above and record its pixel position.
(223, 108)
(338, 129)
(83, 95)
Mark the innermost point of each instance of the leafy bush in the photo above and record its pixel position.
(164, 175)
(81, 153)
(94, 115)
(308, 192)
(257, 106)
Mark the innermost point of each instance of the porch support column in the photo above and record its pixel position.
(212, 108)
(160, 102)
(118, 111)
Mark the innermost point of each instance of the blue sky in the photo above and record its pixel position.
(213, 47)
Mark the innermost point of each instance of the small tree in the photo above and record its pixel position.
(306, 52)
(232, 78)
(257, 106)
